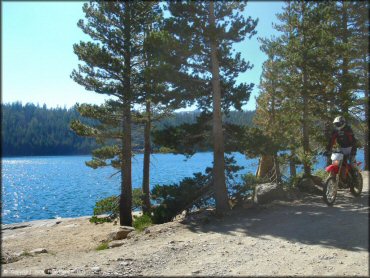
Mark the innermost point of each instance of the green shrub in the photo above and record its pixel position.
(173, 198)
(110, 206)
(26, 254)
(166, 150)
(137, 198)
(102, 246)
(293, 181)
(239, 192)
(306, 158)
(161, 214)
(321, 173)
(96, 220)
(142, 222)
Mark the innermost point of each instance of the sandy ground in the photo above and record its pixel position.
(299, 238)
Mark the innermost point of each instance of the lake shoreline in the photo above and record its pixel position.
(63, 186)
(302, 237)
(51, 222)
(89, 154)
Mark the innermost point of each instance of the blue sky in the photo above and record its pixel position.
(38, 58)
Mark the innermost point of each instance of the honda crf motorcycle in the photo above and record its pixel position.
(341, 175)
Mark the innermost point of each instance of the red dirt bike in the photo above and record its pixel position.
(341, 175)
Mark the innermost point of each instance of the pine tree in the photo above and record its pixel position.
(157, 104)
(306, 43)
(359, 27)
(268, 115)
(319, 48)
(344, 27)
(204, 33)
(111, 66)
(348, 37)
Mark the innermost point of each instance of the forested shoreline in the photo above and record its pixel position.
(33, 130)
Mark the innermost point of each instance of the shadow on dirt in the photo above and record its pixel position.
(308, 221)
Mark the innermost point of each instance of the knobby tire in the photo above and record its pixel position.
(326, 188)
(356, 185)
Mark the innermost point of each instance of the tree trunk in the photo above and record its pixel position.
(274, 129)
(292, 165)
(366, 106)
(125, 206)
(305, 125)
(146, 167)
(277, 169)
(328, 129)
(265, 164)
(219, 181)
(126, 183)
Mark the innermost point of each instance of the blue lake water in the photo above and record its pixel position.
(48, 187)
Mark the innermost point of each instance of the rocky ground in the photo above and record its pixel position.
(303, 237)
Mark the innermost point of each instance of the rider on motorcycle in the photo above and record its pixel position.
(344, 136)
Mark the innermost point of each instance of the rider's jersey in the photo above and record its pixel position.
(344, 137)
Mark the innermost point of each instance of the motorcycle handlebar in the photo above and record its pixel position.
(327, 153)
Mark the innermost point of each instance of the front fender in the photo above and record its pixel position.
(332, 169)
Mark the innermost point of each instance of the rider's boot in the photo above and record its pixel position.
(352, 163)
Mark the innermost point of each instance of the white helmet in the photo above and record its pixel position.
(339, 122)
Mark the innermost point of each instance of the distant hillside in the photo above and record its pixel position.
(34, 130)
(235, 117)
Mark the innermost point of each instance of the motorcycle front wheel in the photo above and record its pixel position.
(330, 191)
(356, 184)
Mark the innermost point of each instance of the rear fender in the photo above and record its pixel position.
(332, 169)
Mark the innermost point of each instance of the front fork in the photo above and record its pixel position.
(337, 181)
(337, 175)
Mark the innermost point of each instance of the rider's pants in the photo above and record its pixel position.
(347, 155)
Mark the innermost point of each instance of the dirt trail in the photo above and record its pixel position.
(303, 237)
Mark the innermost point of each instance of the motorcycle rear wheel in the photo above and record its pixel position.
(356, 184)
(330, 191)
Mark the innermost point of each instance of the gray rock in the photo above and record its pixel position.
(309, 185)
(122, 233)
(116, 243)
(96, 269)
(146, 231)
(268, 192)
(14, 226)
(7, 258)
(48, 271)
(126, 228)
(318, 181)
(38, 251)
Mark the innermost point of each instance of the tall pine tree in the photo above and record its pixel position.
(112, 64)
(305, 45)
(204, 33)
(269, 114)
(323, 65)
(358, 27)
